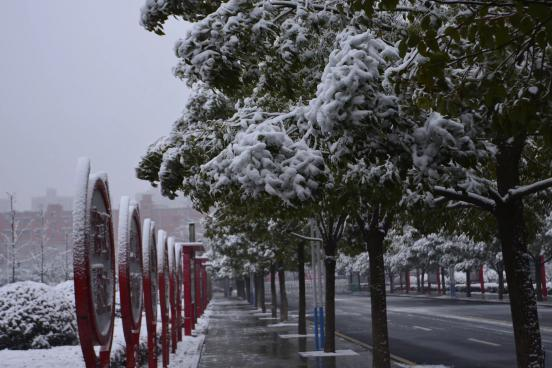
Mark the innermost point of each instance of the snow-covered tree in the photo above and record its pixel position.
(478, 73)
(15, 240)
(328, 104)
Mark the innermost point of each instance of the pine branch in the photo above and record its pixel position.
(472, 198)
(525, 190)
(304, 237)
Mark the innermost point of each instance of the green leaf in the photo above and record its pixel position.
(403, 47)
(389, 4)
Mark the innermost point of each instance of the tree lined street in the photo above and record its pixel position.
(406, 142)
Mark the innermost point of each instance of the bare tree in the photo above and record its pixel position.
(13, 239)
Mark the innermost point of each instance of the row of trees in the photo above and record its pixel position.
(439, 254)
(27, 250)
(365, 116)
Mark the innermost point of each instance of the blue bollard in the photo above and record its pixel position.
(321, 321)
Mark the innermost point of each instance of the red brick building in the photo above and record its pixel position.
(53, 228)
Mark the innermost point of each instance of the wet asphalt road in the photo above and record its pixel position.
(455, 333)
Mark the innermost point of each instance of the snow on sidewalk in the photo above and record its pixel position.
(188, 351)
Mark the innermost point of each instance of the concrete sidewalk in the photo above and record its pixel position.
(240, 336)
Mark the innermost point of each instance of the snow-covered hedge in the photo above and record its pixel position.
(37, 316)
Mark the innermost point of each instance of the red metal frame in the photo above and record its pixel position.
(205, 297)
(86, 318)
(187, 284)
(204, 287)
(164, 292)
(150, 279)
(178, 283)
(481, 280)
(172, 271)
(188, 254)
(197, 279)
(131, 322)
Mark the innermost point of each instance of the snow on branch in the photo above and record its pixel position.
(304, 237)
(527, 189)
(475, 199)
(264, 158)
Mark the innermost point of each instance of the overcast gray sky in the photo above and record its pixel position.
(81, 78)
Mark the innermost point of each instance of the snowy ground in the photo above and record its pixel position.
(188, 351)
(187, 354)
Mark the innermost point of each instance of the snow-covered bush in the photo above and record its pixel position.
(37, 316)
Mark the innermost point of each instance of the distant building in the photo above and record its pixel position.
(51, 197)
(53, 228)
(172, 216)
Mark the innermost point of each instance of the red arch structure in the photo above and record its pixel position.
(153, 269)
(188, 255)
(94, 265)
(164, 292)
(151, 287)
(130, 276)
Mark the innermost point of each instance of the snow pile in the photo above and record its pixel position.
(189, 349)
(34, 315)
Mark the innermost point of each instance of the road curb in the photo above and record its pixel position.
(197, 356)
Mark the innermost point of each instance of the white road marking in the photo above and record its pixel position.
(314, 354)
(293, 336)
(421, 328)
(483, 342)
(432, 313)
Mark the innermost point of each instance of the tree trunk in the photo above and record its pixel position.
(537, 263)
(443, 286)
(512, 234)
(418, 280)
(262, 287)
(248, 288)
(500, 271)
(407, 280)
(330, 248)
(242, 288)
(401, 285)
(257, 293)
(283, 294)
(423, 282)
(391, 282)
(302, 328)
(428, 283)
(273, 294)
(380, 336)
(468, 283)
(358, 281)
